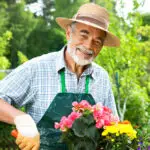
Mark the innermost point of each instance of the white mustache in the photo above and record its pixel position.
(84, 50)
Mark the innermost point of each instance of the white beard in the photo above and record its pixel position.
(79, 61)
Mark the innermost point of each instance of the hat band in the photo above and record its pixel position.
(100, 23)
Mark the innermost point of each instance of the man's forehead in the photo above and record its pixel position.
(88, 29)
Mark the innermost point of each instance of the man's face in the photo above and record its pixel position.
(84, 43)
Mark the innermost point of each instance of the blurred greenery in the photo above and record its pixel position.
(24, 35)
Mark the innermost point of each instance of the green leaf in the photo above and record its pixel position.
(79, 127)
(88, 119)
(93, 133)
(84, 144)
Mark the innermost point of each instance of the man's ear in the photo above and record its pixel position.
(68, 33)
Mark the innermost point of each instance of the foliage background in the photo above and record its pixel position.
(24, 35)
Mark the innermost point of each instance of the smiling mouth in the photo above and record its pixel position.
(85, 52)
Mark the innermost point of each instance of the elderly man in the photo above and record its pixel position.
(48, 85)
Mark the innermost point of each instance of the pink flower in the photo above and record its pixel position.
(75, 104)
(74, 115)
(107, 122)
(114, 118)
(64, 125)
(63, 119)
(102, 115)
(100, 123)
(57, 125)
(80, 107)
(85, 104)
(98, 106)
(107, 110)
(65, 122)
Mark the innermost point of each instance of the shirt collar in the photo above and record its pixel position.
(61, 64)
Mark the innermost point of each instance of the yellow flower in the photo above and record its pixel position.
(117, 134)
(109, 129)
(104, 133)
(120, 128)
(112, 140)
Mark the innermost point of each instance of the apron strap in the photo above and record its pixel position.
(87, 84)
(63, 85)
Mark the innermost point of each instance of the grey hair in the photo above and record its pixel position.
(73, 26)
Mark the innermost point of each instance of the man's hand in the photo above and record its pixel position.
(28, 137)
(28, 143)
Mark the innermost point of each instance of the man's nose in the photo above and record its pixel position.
(88, 44)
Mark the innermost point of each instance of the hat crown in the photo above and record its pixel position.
(95, 11)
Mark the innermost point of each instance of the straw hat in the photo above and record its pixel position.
(95, 16)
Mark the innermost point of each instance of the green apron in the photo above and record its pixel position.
(60, 106)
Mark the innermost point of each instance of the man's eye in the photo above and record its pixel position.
(98, 42)
(83, 36)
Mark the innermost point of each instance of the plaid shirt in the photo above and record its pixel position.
(35, 84)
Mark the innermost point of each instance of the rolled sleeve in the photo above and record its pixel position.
(15, 86)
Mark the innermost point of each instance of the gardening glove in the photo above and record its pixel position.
(28, 137)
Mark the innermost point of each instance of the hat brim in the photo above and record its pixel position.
(110, 40)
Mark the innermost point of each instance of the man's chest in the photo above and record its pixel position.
(48, 85)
